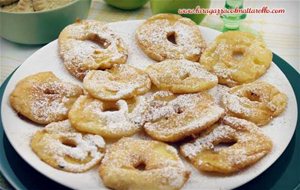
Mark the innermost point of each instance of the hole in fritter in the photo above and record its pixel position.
(238, 55)
(68, 142)
(140, 166)
(171, 36)
(224, 144)
(110, 106)
(101, 42)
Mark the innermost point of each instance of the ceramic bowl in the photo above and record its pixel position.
(43, 26)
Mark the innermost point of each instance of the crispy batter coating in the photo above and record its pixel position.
(237, 57)
(119, 82)
(108, 119)
(43, 98)
(248, 145)
(90, 45)
(170, 36)
(181, 76)
(257, 102)
(62, 147)
(142, 164)
(170, 118)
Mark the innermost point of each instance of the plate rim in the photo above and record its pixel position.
(274, 58)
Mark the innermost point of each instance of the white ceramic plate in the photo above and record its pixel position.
(19, 132)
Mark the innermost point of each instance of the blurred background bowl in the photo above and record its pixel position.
(41, 27)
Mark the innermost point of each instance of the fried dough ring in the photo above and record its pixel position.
(108, 119)
(257, 102)
(170, 36)
(181, 76)
(43, 98)
(237, 57)
(170, 118)
(119, 82)
(60, 146)
(137, 164)
(90, 45)
(250, 145)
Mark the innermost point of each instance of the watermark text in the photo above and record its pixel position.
(221, 11)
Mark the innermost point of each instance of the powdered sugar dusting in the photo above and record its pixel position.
(51, 99)
(250, 145)
(88, 45)
(192, 149)
(164, 104)
(179, 126)
(43, 108)
(280, 129)
(255, 100)
(86, 146)
(196, 70)
(116, 120)
(234, 103)
(122, 81)
(91, 115)
(152, 35)
(162, 163)
(181, 74)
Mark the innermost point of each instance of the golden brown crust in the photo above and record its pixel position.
(119, 82)
(162, 167)
(90, 45)
(257, 102)
(249, 146)
(62, 147)
(181, 76)
(171, 118)
(237, 57)
(44, 98)
(108, 119)
(170, 36)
